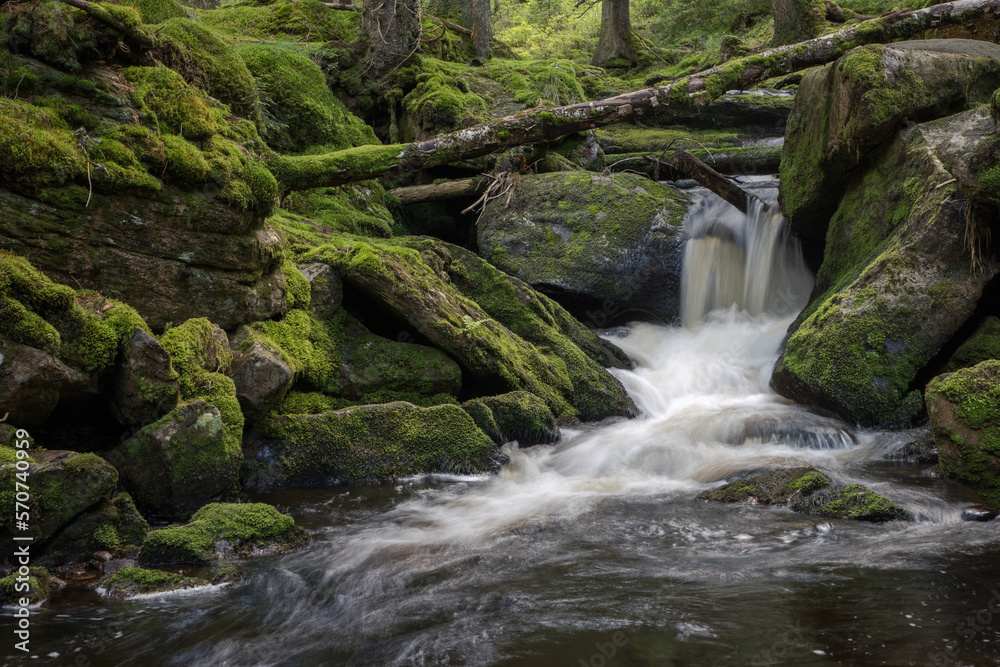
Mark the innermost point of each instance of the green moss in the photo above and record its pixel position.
(298, 294)
(242, 529)
(772, 488)
(304, 19)
(852, 502)
(310, 216)
(519, 415)
(311, 347)
(131, 581)
(37, 581)
(37, 147)
(168, 103)
(155, 11)
(982, 345)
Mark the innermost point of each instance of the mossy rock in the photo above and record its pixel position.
(772, 488)
(851, 502)
(518, 415)
(964, 411)
(368, 443)
(592, 240)
(299, 20)
(896, 285)
(845, 109)
(982, 345)
(64, 485)
(129, 582)
(155, 11)
(176, 465)
(115, 526)
(500, 331)
(223, 530)
(34, 588)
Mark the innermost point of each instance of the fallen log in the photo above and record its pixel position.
(688, 164)
(418, 194)
(541, 125)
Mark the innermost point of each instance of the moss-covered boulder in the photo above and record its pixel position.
(982, 345)
(145, 385)
(590, 240)
(851, 502)
(63, 484)
(367, 443)
(223, 530)
(897, 282)
(115, 526)
(261, 379)
(518, 415)
(964, 410)
(777, 487)
(845, 109)
(504, 335)
(16, 587)
(129, 582)
(179, 463)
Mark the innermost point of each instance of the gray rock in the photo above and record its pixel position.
(326, 287)
(145, 385)
(261, 379)
(32, 382)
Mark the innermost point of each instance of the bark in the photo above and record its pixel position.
(541, 125)
(418, 194)
(481, 30)
(688, 164)
(393, 31)
(615, 42)
(796, 20)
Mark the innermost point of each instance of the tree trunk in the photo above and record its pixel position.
(688, 164)
(616, 38)
(481, 30)
(540, 125)
(796, 20)
(418, 194)
(393, 31)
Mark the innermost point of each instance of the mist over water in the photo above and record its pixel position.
(602, 533)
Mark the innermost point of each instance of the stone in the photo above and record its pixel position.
(145, 385)
(982, 345)
(921, 450)
(776, 487)
(179, 463)
(223, 529)
(609, 248)
(32, 383)
(114, 565)
(261, 379)
(518, 415)
(130, 581)
(366, 443)
(964, 411)
(38, 581)
(851, 502)
(845, 109)
(326, 288)
(113, 526)
(979, 513)
(63, 484)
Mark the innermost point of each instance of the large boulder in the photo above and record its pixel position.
(897, 281)
(223, 529)
(145, 384)
(32, 383)
(590, 240)
(518, 415)
(845, 109)
(63, 486)
(366, 443)
(261, 378)
(964, 411)
(982, 345)
(326, 289)
(113, 525)
(174, 466)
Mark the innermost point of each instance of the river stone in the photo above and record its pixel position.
(112, 526)
(32, 383)
(845, 109)
(519, 416)
(63, 484)
(851, 502)
(326, 288)
(178, 464)
(223, 530)
(776, 487)
(607, 246)
(261, 379)
(964, 411)
(896, 284)
(366, 443)
(145, 385)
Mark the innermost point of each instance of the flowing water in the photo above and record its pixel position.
(595, 551)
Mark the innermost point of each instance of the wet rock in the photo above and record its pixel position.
(964, 411)
(130, 581)
(851, 502)
(145, 385)
(223, 529)
(32, 383)
(982, 345)
(979, 513)
(607, 246)
(922, 451)
(772, 488)
(103, 556)
(64, 485)
(845, 109)
(366, 443)
(896, 282)
(176, 465)
(38, 581)
(326, 289)
(519, 416)
(261, 379)
(112, 526)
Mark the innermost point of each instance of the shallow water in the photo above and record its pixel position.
(596, 551)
